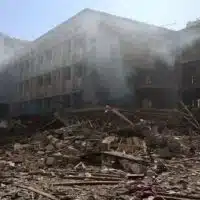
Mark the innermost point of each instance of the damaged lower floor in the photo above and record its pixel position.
(47, 105)
(191, 97)
(97, 160)
(157, 98)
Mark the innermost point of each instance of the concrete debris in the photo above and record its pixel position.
(165, 153)
(134, 168)
(96, 157)
(109, 139)
(50, 161)
(17, 147)
(49, 147)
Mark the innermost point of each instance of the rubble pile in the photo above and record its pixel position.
(142, 160)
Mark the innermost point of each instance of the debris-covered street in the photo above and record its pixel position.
(99, 100)
(93, 160)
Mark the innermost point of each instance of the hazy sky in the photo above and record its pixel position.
(28, 19)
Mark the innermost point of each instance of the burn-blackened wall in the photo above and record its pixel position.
(157, 87)
(188, 65)
(190, 83)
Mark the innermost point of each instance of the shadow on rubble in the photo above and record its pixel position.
(26, 126)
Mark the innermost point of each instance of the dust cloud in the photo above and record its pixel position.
(116, 46)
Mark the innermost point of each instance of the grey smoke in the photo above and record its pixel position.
(9, 45)
(144, 41)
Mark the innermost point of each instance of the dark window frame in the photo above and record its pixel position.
(48, 79)
(148, 79)
(79, 70)
(40, 81)
(67, 73)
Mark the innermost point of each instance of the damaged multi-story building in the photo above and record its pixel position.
(94, 58)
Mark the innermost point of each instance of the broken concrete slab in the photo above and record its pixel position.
(165, 153)
(50, 161)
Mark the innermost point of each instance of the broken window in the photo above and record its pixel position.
(146, 103)
(56, 102)
(81, 42)
(25, 66)
(78, 70)
(22, 106)
(148, 80)
(66, 101)
(26, 85)
(74, 57)
(67, 73)
(48, 103)
(21, 89)
(49, 55)
(48, 79)
(21, 72)
(77, 99)
(198, 103)
(193, 103)
(41, 103)
(40, 80)
(40, 60)
(57, 75)
(54, 76)
(69, 47)
(26, 63)
(31, 63)
(193, 79)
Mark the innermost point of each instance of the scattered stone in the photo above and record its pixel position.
(54, 140)
(41, 152)
(77, 156)
(174, 146)
(134, 168)
(49, 147)
(164, 153)
(18, 159)
(49, 137)
(2, 164)
(26, 146)
(59, 145)
(106, 143)
(70, 159)
(17, 147)
(41, 163)
(50, 161)
(160, 167)
(151, 173)
(11, 164)
(72, 150)
(57, 154)
(109, 139)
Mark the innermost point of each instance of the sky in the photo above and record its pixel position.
(29, 19)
